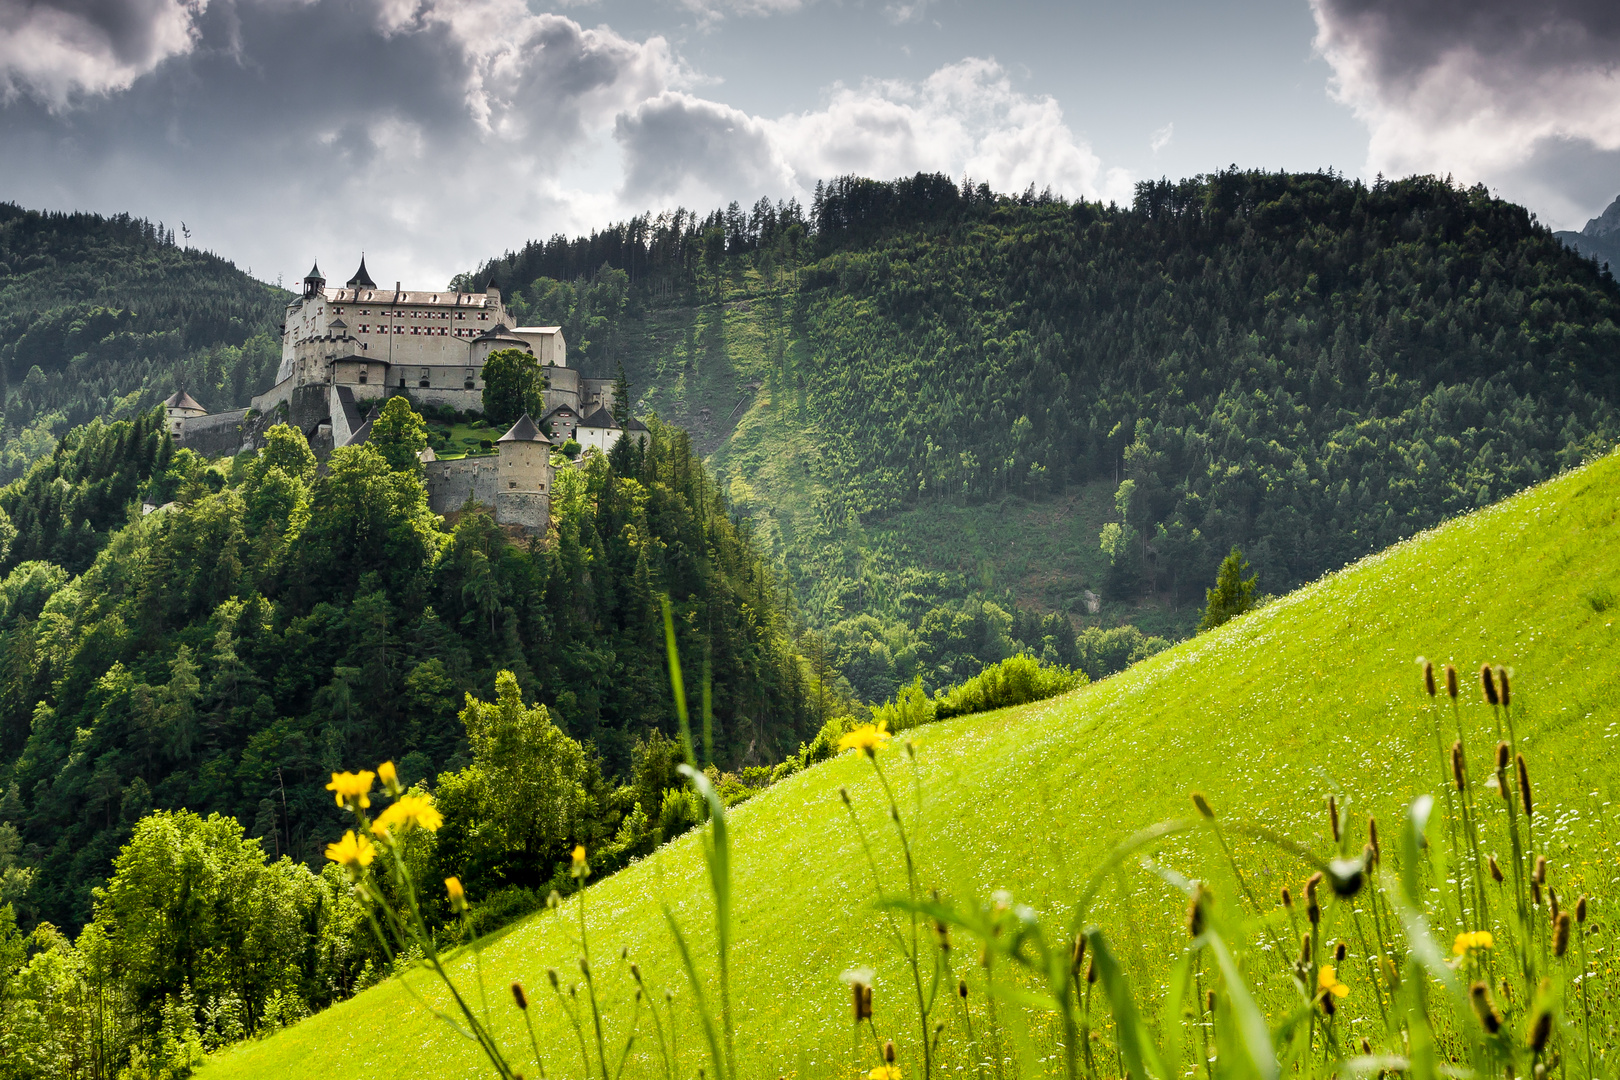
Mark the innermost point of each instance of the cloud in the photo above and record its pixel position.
(1162, 137)
(965, 118)
(1485, 89)
(435, 133)
(57, 49)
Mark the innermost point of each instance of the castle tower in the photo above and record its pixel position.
(314, 282)
(361, 279)
(179, 407)
(523, 484)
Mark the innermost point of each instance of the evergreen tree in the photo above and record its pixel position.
(621, 398)
(1232, 595)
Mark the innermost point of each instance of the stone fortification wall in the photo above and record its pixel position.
(451, 483)
(460, 400)
(530, 509)
(215, 434)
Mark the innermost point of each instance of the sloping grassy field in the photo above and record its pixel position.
(1316, 693)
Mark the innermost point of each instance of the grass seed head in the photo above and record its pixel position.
(1502, 686)
(519, 996)
(1502, 753)
(1488, 684)
(1287, 898)
(1195, 915)
(1304, 950)
(1339, 952)
(1524, 784)
(1333, 817)
(1552, 903)
(1535, 892)
(1428, 675)
(1479, 996)
(551, 977)
(1561, 934)
(1209, 1001)
(635, 973)
(1202, 804)
(1540, 1031)
(1580, 909)
(1078, 955)
(1496, 870)
(1458, 773)
(888, 1051)
(1366, 1047)
(961, 989)
(1372, 839)
(1091, 970)
(1541, 869)
(1451, 682)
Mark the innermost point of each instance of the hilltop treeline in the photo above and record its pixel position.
(1302, 365)
(270, 622)
(102, 316)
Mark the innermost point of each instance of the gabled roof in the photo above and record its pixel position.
(363, 432)
(337, 324)
(601, 418)
(182, 400)
(636, 425)
(525, 430)
(361, 279)
(559, 409)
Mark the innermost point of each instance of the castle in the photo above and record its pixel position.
(343, 349)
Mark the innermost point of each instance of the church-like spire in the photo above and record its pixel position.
(361, 279)
(314, 281)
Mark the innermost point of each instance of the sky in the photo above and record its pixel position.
(433, 134)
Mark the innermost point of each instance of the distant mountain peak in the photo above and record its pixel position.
(1606, 224)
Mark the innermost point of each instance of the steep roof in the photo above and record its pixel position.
(182, 400)
(601, 418)
(315, 273)
(525, 430)
(363, 433)
(361, 279)
(636, 425)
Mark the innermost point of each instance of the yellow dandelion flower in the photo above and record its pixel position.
(885, 1072)
(868, 738)
(352, 851)
(408, 812)
(1327, 982)
(1470, 940)
(579, 868)
(352, 789)
(458, 895)
(388, 776)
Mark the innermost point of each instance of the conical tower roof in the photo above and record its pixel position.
(181, 400)
(315, 273)
(361, 279)
(525, 430)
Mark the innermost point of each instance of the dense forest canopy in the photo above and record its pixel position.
(270, 622)
(1301, 365)
(102, 317)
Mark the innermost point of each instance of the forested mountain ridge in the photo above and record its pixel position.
(114, 315)
(271, 623)
(939, 403)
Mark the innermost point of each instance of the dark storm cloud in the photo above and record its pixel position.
(1524, 96)
(54, 50)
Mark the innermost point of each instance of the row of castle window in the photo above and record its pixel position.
(483, 316)
(430, 331)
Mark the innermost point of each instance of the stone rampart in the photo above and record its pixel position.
(215, 434)
(451, 483)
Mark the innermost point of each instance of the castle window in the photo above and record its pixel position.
(362, 376)
(511, 483)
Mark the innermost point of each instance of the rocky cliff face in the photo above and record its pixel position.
(1601, 237)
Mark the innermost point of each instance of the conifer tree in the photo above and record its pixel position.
(1232, 595)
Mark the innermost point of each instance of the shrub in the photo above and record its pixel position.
(1017, 680)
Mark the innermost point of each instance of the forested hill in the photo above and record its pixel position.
(104, 316)
(937, 401)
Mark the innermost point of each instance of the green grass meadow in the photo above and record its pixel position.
(1316, 693)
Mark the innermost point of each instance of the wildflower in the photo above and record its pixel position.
(1327, 982)
(389, 777)
(408, 812)
(885, 1072)
(867, 738)
(1471, 941)
(578, 867)
(352, 789)
(352, 851)
(458, 895)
